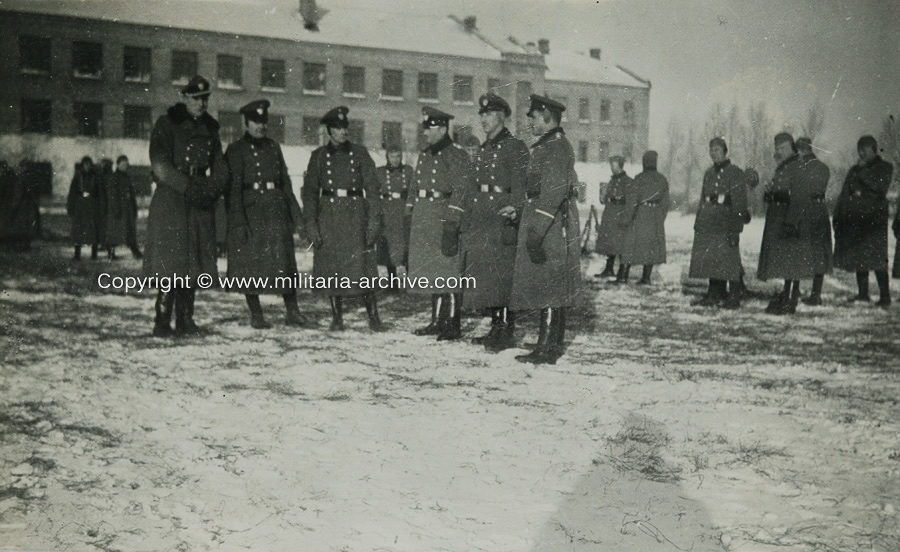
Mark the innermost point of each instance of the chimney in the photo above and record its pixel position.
(469, 23)
(595, 53)
(311, 15)
(544, 46)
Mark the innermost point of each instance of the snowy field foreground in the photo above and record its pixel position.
(664, 427)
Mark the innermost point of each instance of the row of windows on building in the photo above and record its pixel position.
(87, 62)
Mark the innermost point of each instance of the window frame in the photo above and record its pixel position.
(81, 49)
(238, 63)
(143, 78)
(384, 83)
(32, 102)
(322, 77)
(420, 82)
(264, 74)
(183, 55)
(33, 43)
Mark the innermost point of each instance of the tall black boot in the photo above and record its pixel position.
(77, 256)
(452, 329)
(622, 276)
(162, 323)
(94, 252)
(562, 313)
(714, 294)
(496, 313)
(608, 271)
(292, 315)
(862, 282)
(505, 338)
(136, 251)
(881, 276)
(790, 305)
(111, 252)
(778, 302)
(540, 354)
(372, 311)
(337, 313)
(645, 275)
(433, 328)
(815, 296)
(733, 298)
(184, 312)
(257, 320)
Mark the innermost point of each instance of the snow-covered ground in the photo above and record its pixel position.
(664, 427)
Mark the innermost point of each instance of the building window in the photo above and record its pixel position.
(87, 60)
(184, 66)
(584, 110)
(356, 132)
(88, 119)
(34, 55)
(604, 151)
(138, 121)
(605, 108)
(136, 64)
(276, 128)
(36, 116)
(462, 89)
(583, 151)
(272, 75)
(628, 151)
(392, 135)
(314, 78)
(565, 114)
(392, 84)
(428, 87)
(230, 72)
(312, 131)
(354, 82)
(231, 126)
(629, 112)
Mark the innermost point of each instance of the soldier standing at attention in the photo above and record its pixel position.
(716, 254)
(610, 233)
(190, 171)
(814, 176)
(342, 207)
(84, 207)
(547, 270)
(646, 207)
(437, 199)
(123, 182)
(860, 221)
(393, 180)
(119, 198)
(263, 214)
(489, 223)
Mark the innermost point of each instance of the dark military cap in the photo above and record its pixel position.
(543, 103)
(617, 159)
(337, 117)
(197, 87)
(719, 141)
(804, 142)
(432, 117)
(649, 160)
(784, 137)
(493, 102)
(257, 111)
(867, 141)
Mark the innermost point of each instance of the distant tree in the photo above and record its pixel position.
(889, 141)
(815, 121)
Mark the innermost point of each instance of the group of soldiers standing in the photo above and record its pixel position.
(508, 218)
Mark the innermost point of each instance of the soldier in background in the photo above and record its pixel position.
(716, 254)
(263, 214)
(646, 207)
(342, 205)
(548, 266)
(611, 231)
(126, 187)
(191, 174)
(895, 273)
(393, 181)
(489, 227)
(85, 208)
(119, 204)
(437, 200)
(860, 221)
(104, 176)
(815, 224)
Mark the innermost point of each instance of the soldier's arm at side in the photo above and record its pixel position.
(237, 217)
(555, 172)
(519, 171)
(161, 161)
(73, 194)
(218, 170)
(413, 186)
(372, 186)
(287, 186)
(460, 173)
(739, 203)
(310, 192)
(876, 179)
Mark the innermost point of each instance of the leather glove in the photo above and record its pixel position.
(313, 235)
(751, 178)
(534, 243)
(745, 216)
(450, 238)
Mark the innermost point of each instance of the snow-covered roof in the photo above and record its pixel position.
(579, 67)
(365, 25)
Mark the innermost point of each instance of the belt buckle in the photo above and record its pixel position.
(395, 195)
(270, 185)
(341, 193)
(423, 193)
(256, 185)
(484, 188)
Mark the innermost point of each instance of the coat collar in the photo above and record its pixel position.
(497, 139)
(345, 147)
(258, 142)
(178, 113)
(441, 144)
(549, 135)
(722, 165)
(788, 161)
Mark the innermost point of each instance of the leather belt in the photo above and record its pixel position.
(394, 195)
(263, 186)
(434, 194)
(487, 188)
(614, 201)
(343, 192)
(718, 199)
(778, 197)
(197, 171)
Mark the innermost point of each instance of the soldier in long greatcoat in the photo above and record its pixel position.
(394, 179)
(489, 235)
(437, 201)
(191, 174)
(342, 208)
(646, 207)
(85, 208)
(716, 254)
(263, 214)
(861, 219)
(816, 223)
(119, 200)
(611, 231)
(547, 271)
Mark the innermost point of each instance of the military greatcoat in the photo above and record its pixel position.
(437, 194)
(262, 215)
(549, 211)
(861, 218)
(393, 246)
(85, 208)
(716, 252)
(813, 221)
(646, 207)
(342, 201)
(181, 236)
(489, 240)
(120, 202)
(611, 232)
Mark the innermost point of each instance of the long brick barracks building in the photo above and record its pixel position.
(108, 68)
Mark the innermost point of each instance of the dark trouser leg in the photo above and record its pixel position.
(561, 330)
(292, 310)
(881, 276)
(608, 271)
(337, 313)
(815, 296)
(453, 327)
(714, 294)
(257, 320)
(162, 322)
(542, 353)
(730, 300)
(622, 276)
(372, 311)
(862, 282)
(77, 255)
(433, 328)
(112, 252)
(645, 275)
(184, 312)
(94, 248)
(505, 338)
(496, 314)
(780, 301)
